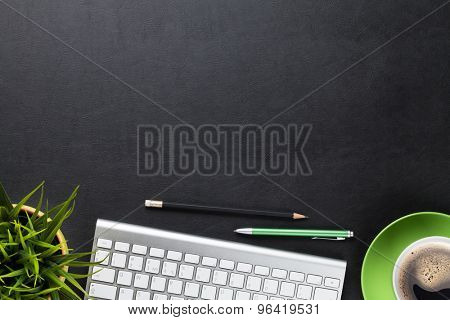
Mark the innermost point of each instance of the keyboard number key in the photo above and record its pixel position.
(118, 260)
(287, 289)
(237, 280)
(186, 272)
(203, 274)
(253, 283)
(135, 263)
(270, 286)
(102, 256)
(220, 277)
(304, 292)
(152, 266)
(169, 269)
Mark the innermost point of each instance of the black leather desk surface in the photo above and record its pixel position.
(379, 148)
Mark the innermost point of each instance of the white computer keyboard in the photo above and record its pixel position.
(143, 263)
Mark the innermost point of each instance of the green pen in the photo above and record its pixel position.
(310, 233)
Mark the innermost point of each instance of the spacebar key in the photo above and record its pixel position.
(102, 291)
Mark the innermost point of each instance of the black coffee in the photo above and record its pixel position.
(424, 273)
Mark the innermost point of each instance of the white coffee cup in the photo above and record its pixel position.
(407, 251)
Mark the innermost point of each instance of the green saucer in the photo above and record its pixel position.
(378, 265)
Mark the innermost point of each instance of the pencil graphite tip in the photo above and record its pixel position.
(244, 231)
(297, 216)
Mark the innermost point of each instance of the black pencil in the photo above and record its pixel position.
(191, 207)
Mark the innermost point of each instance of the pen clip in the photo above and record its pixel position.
(331, 239)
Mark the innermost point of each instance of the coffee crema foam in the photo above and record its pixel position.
(426, 266)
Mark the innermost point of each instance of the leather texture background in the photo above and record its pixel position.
(379, 148)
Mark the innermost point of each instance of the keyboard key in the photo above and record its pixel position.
(152, 266)
(157, 253)
(259, 297)
(226, 264)
(279, 273)
(135, 263)
(237, 280)
(176, 298)
(103, 256)
(253, 283)
(313, 279)
(276, 298)
(225, 294)
(241, 295)
(244, 267)
(191, 289)
(142, 295)
(208, 292)
(103, 274)
(169, 269)
(174, 255)
(304, 292)
(191, 258)
(296, 276)
(287, 289)
(122, 246)
(125, 294)
(270, 286)
(209, 262)
(220, 277)
(203, 274)
(174, 286)
(158, 296)
(104, 243)
(141, 281)
(137, 249)
(325, 294)
(158, 284)
(332, 282)
(262, 271)
(102, 291)
(118, 260)
(186, 272)
(124, 278)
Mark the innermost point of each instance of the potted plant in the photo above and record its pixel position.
(34, 257)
